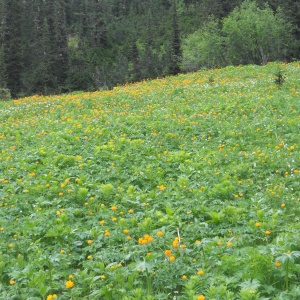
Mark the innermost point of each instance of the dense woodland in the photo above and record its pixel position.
(54, 46)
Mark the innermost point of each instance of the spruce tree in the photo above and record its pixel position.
(176, 44)
(12, 44)
(58, 43)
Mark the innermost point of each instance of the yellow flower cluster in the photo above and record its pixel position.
(69, 284)
(175, 242)
(146, 239)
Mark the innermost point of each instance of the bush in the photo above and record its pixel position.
(5, 94)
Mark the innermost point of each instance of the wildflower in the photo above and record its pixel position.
(257, 224)
(130, 211)
(114, 208)
(128, 237)
(172, 258)
(89, 257)
(267, 232)
(200, 272)
(161, 187)
(51, 297)
(102, 222)
(61, 194)
(125, 231)
(175, 242)
(160, 233)
(168, 252)
(102, 276)
(69, 284)
(62, 251)
(201, 297)
(184, 277)
(90, 242)
(12, 282)
(282, 204)
(10, 245)
(219, 243)
(277, 264)
(229, 244)
(107, 233)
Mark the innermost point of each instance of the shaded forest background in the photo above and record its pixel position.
(54, 46)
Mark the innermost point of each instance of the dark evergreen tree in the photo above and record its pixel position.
(58, 43)
(176, 44)
(12, 44)
(3, 75)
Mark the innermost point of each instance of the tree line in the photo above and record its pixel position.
(55, 46)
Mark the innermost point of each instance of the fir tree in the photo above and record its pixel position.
(12, 44)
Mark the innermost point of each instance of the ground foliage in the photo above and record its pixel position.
(185, 187)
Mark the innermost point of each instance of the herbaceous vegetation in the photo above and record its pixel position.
(185, 187)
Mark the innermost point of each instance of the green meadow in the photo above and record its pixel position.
(184, 187)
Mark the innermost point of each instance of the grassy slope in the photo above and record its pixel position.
(212, 157)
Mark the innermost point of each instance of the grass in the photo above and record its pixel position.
(185, 187)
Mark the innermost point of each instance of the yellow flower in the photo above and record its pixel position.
(168, 252)
(12, 282)
(172, 258)
(219, 243)
(277, 264)
(184, 277)
(90, 242)
(102, 276)
(89, 257)
(200, 272)
(201, 297)
(160, 233)
(107, 233)
(130, 211)
(10, 245)
(125, 231)
(69, 284)
(229, 244)
(114, 208)
(282, 204)
(161, 187)
(257, 224)
(102, 222)
(62, 251)
(267, 232)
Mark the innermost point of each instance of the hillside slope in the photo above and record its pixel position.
(184, 187)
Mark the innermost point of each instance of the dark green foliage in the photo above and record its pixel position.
(279, 77)
(12, 44)
(5, 94)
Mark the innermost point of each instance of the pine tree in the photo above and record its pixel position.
(12, 43)
(176, 44)
(58, 43)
